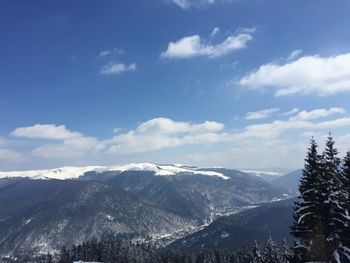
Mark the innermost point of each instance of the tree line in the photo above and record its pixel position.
(127, 252)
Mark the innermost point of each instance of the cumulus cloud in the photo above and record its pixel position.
(162, 133)
(262, 114)
(75, 147)
(187, 4)
(308, 74)
(113, 68)
(71, 143)
(195, 46)
(45, 131)
(234, 147)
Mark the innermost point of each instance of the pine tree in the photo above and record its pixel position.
(333, 197)
(48, 258)
(321, 216)
(345, 237)
(308, 227)
(256, 254)
(64, 255)
(285, 255)
(271, 252)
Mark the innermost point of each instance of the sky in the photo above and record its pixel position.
(229, 83)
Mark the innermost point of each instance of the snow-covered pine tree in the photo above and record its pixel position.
(345, 237)
(286, 256)
(271, 252)
(255, 254)
(308, 226)
(333, 206)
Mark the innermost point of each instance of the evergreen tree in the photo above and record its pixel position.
(285, 255)
(64, 255)
(308, 227)
(255, 254)
(48, 258)
(271, 252)
(321, 217)
(333, 205)
(345, 237)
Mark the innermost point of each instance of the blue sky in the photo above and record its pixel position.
(239, 83)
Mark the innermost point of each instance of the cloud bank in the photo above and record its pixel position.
(205, 143)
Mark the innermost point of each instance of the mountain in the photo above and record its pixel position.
(195, 196)
(71, 172)
(43, 215)
(289, 181)
(242, 228)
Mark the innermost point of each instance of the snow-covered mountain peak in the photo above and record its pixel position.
(70, 172)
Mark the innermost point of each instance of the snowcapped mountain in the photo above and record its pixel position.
(70, 172)
(68, 205)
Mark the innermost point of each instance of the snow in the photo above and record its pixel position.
(28, 221)
(110, 218)
(70, 172)
(303, 216)
(336, 256)
(57, 173)
(261, 173)
(224, 234)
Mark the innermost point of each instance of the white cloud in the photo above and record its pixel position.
(194, 46)
(168, 126)
(317, 113)
(75, 147)
(187, 4)
(162, 133)
(294, 54)
(116, 68)
(262, 114)
(72, 143)
(107, 52)
(115, 130)
(210, 143)
(308, 74)
(215, 31)
(45, 131)
(291, 112)
(277, 127)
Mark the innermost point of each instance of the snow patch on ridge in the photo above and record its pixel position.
(261, 173)
(75, 172)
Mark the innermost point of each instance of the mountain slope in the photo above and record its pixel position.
(194, 196)
(289, 181)
(44, 215)
(242, 228)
